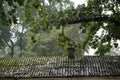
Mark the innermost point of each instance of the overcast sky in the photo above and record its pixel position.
(77, 2)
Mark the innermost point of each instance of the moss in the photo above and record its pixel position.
(10, 64)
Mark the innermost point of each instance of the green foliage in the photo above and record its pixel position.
(4, 35)
(28, 54)
(102, 49)
(66, 42)
(39, 18)
(45, 43)
(91, 18)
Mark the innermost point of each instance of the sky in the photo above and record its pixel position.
(77, 2)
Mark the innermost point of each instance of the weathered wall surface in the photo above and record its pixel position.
(78, 78)
(7, 79)
(74, 79)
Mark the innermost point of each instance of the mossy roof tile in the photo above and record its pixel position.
(95, 66)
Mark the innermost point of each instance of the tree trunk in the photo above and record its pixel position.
(12, 51)
(21, 48)
(12, 48)
(21, 42)
(71, 53)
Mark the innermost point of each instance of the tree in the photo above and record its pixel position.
(93, 16)
(10, 34)
(32, 13)
(43, 40)
(4, 36)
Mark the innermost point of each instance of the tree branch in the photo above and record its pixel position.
(12, 43)
(86, 19)
(97, 19)
(7, 43)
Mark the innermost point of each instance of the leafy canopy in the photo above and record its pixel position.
(91, 17)
(95, 15)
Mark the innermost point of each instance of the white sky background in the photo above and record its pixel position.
(77, 2)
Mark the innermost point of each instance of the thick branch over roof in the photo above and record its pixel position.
(98, 19)
(84, 20)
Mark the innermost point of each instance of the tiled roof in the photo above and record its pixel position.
(91, 66)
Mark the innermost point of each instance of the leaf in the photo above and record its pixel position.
(49, 1)
(116, 45)
(59, 0)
